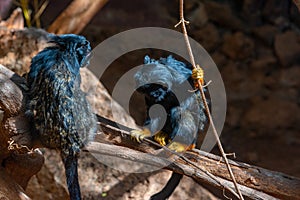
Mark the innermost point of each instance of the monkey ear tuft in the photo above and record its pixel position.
(61, 40)
(52, 38)
(57, 40)
(147, 60)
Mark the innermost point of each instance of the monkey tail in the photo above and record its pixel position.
(169, 188)
(71, 169)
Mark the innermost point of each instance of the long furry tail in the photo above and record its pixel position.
(71, 170)
(169, 188)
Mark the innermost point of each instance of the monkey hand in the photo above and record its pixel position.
(139, 135)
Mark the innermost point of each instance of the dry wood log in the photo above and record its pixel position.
(255, 182)
(15, 135)
(9, 190)
(179, 166)
(76, 16)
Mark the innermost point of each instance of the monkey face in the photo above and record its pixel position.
(154, 91)
(74, 45)
(168, 73)
(160, 80)
(154, 81)
(83, 52)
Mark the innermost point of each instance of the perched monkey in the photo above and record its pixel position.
(183, 117)
(61, 113)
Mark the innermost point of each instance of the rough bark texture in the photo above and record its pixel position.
(15, 137)
(76, 16)
(253, 178)
(9, 189)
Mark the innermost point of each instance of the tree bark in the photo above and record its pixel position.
(16, 156)
(255, 182)
(76, 16)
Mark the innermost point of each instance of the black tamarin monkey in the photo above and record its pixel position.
(183, 115)
(61, 114)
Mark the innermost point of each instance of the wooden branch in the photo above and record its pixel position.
(178, 166)
(254, 182)
(21, 167)
(15, 134)
(76, 16)
(10, 189)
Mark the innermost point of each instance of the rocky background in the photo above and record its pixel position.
(256, 46)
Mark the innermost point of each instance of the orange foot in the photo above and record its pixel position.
(180, 147)
(161, 138)
(139, 135)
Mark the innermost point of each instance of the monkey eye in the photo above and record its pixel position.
(85, 44)
(79, 46)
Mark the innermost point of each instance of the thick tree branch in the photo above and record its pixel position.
(76, 16)
(179, 166)
(15, 136)
(254, 182)
(9, 189)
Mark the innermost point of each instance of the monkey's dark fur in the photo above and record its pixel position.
(62, 116)
(164, 82)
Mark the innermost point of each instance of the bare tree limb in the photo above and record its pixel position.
(254, 182)
(19, 162)
(76, 16)
(178, 166)
(9, 189)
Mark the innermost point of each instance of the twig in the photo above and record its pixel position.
(190, 52)
(38, 12)
(12, 145)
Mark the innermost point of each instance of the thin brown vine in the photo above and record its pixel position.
(183, 23)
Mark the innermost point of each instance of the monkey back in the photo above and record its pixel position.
(61, 113)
